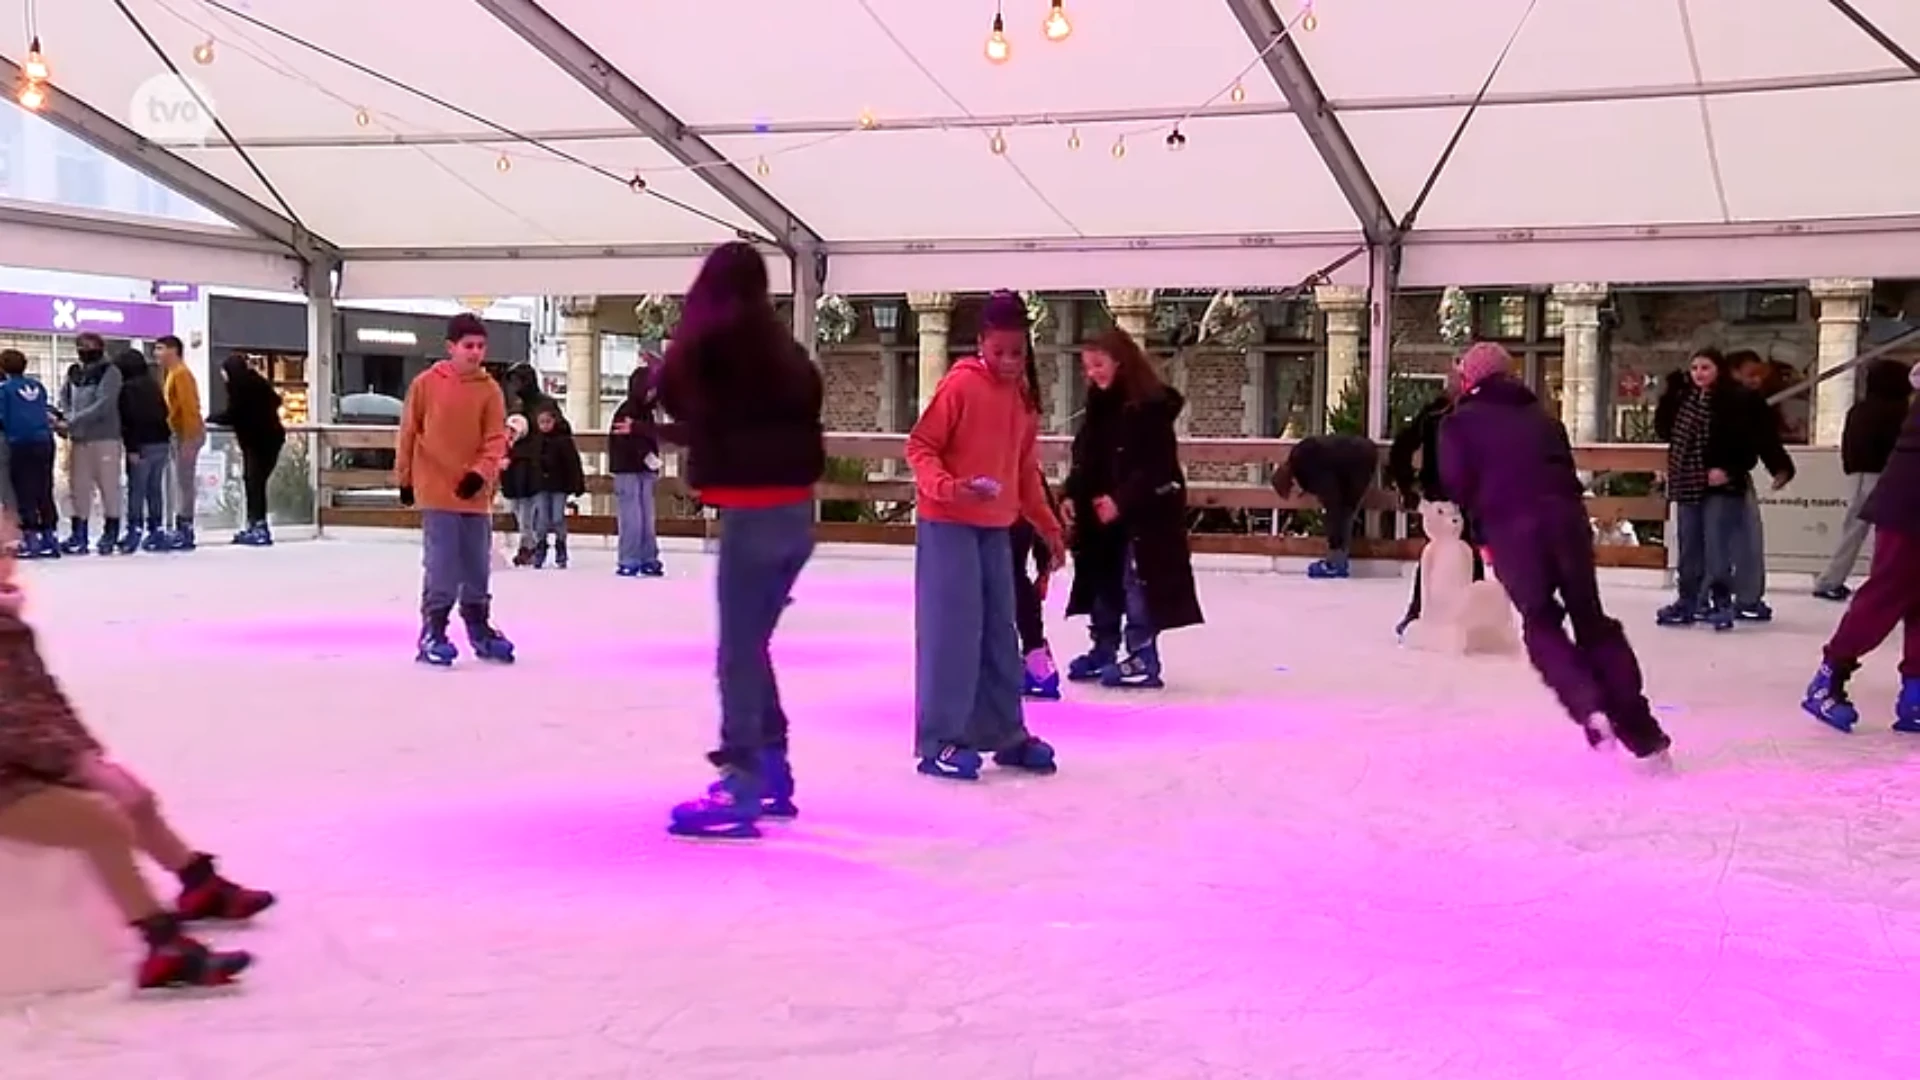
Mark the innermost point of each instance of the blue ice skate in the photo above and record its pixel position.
(776, 786)
(627, 570)
(183, 539)
(1906, 710)
(1826, 700)
(1140, 671)
(728, 811)
(1033, 755)
(1329, 570)
(1758, 611)
(488, 644)
(435, 650)
(1721, 617)
(254, 535)
(1040, 680)
(654, 569)
(1678, 613)
(952, 763)
(1087, 668)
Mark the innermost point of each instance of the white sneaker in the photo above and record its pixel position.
(1600, 734)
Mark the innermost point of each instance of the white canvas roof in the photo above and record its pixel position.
(485, 147)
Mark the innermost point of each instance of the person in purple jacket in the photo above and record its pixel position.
(1510, 466)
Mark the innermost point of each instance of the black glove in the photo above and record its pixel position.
(469, 485)
(406, 495)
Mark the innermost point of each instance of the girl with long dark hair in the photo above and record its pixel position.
(746, 400)
(1126, 501)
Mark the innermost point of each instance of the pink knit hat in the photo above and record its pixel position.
(1482, 361)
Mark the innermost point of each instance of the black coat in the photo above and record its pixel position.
(253, 409)
(1128, 452)
(1507, 461)
(143, 407)
(746, 404)
(1873, 425)
(1895, 502)
(1742, 431)
(1421, 435)
(627, 452)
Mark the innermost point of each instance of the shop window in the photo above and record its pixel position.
(1500, 316)
(1760, 306)
(1553, 318)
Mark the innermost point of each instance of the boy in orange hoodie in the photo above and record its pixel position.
(975, 463)
(453, 434)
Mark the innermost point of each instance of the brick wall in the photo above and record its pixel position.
(853, 391)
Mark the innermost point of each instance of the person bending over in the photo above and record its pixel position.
(1338, 471)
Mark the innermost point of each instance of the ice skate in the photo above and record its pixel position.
(1906, 710)
(777, 786)
(1678, 613)
(78, 543)
(488, 643)
(1329, 570)
(952, 763)
(1041, 680)
(1087, 668)
(1139, 671)
(1031, 755)
(434, 648)
(130, 540)
(216, 899)
(1826, 699)
(728, 811)
(1599, 732)
(183, 963)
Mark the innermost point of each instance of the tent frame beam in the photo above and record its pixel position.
(551, 38)
(1270, 36)
(124, 228)
(154, 161)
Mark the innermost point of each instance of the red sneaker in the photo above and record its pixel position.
(185, 963)
(220, 900)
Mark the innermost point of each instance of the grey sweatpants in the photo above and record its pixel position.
(96, 466)
(456, 552)
(183, 490)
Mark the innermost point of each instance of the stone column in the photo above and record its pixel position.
(580, 334)
(1345, 307)
(933, 314)
(1132, 311)
(1580, 396)
(1843, 304)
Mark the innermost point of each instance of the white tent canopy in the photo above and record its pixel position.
(488, 147)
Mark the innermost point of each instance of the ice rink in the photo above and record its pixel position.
(1315, 855)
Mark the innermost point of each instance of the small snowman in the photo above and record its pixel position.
(1457, 613)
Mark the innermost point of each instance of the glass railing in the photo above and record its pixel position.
(220, 489)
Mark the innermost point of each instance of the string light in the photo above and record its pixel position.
(1073, 139)
(867, 122)
(1175, 140)
(362, 117)
(1309, 21)
(762, 169)
(997, 144)
(203, 53)
(36, 69)
(638, 184)
(998, 48)
(1119, 148)
(1238, 93)
(33, 97)
(1057, 26)
(503, 163)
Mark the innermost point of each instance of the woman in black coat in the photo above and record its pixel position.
(1716, 432)
(1126, 502)
(253, 415)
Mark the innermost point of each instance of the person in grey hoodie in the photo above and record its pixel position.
(91, 401)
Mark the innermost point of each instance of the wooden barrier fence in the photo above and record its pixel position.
(347, 496)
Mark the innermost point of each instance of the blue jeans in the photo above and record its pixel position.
(456, 557)
(147, 485)
(523, 520)
(547, 516)
(762, 551)
(634, 510)
(1711, 533)
(1750, 558)
(1130, 603)
(967, 664)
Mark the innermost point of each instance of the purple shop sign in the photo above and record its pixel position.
(175, 292)
(73, 315)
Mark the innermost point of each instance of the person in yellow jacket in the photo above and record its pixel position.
(182, 393)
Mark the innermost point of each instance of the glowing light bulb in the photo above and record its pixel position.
(997, 144)
(362, 117)
(503, 163)
(998, 48)
(32, 96)
(1119, 148)
(203, 53)
(36, 69)
(1057, 26)
(1309, 21)
(762, 169)
(867, 122)
(1238, 93)
(1176, 141)
(1073, 139)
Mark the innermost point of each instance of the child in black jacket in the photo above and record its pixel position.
(552, 462)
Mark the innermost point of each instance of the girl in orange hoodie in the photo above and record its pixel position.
(976, 467)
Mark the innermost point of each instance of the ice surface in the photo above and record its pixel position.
(1315, 855)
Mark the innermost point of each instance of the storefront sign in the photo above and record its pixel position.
(175, 292)
(373, 336)
(31, 313)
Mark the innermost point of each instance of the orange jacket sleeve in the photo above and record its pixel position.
(927, 444)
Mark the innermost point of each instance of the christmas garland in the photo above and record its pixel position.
(657, 316)
(1230, 322)
(1039, 312)
(834, 320)
(1456, 316)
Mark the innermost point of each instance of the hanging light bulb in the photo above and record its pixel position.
(1073, 139)
(997, 144)
(503, 163)
(36, 69)
(33, 96)
(362, 118)
(998, 48)
(1119, 148)
(1238, 93)
(762, 169)
(203, 53)
(1175, 140)
(1309, 21)
(638, 184)
(1057, 26)
(867, 121)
